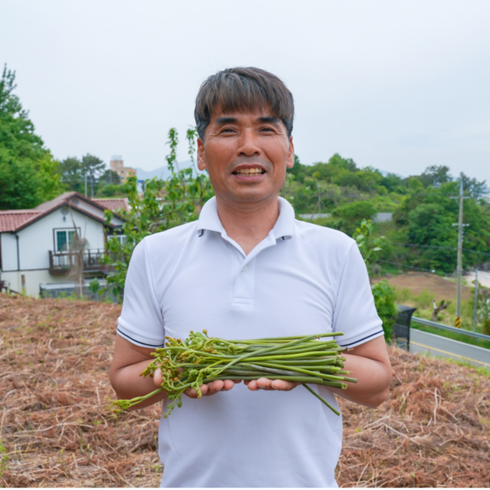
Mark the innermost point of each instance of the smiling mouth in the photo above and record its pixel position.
(249, 171)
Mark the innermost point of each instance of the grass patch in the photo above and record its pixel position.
(460, 337)
(3, 459)
(482, 371)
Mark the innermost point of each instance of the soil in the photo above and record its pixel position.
(55, 425)
(416, 282)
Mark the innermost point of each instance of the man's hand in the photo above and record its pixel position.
(270, 384)
(206, 390)
(226, 385)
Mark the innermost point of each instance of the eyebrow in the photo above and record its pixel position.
(226, 120)
(231, 120)
(268, 119)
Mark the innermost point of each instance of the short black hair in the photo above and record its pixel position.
(241, 89)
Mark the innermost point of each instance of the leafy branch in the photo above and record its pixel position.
(161, 205)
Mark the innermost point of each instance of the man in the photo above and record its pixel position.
(248, 269)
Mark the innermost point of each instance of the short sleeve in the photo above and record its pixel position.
(355, 314)
(141, 320)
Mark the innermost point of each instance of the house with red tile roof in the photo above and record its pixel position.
(37, 246)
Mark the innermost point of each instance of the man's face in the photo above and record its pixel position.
(246, 155)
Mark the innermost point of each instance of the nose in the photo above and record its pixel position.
(247, 144)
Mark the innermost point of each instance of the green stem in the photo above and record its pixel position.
(313, 392)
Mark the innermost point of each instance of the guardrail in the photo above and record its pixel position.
(441, 326)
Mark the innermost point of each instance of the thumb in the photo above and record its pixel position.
(157, 377)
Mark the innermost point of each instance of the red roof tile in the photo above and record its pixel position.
(15, 219)
(11, 220)
(46, 206)
(113, 203)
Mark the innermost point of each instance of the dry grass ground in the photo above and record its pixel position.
(416, 282)
(434, 430)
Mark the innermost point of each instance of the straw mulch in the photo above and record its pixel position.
(57, 432)
(433, 430)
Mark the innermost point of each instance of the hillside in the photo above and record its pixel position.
(432, 431)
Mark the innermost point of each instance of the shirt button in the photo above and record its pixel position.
(244, 269)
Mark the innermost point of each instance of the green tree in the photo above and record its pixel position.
(298, 170)
(29, 174)
(90, 169)
(355, 211)
(369, 244)
(425, 225)
(474, 188)
(435, 176)
(347, 217)
(385, 302)
(384, 295)
(393, 183)
(162, 205)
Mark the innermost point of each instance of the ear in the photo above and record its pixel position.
(201, 160)
(290, 159)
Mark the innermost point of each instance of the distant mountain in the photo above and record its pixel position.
(160, 172)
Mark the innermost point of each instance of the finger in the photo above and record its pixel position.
(157, 377)
(279, 384)
(228, 385)
(214, 387)
(192, 393)
(264, 384)
(252, 385)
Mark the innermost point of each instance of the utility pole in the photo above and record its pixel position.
(460, 254)
(476, 299)
(85, 184)
(459, 267)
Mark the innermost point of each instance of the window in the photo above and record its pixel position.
(63, 239)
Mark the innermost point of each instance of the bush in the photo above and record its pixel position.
(485, 326)
(385, 301)
(403, 295)
(424, 299)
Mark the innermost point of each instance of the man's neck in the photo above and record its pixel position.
(250, 224)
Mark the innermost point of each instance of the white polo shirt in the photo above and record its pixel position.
(301, 279)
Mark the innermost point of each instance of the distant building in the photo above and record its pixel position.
(117, 165)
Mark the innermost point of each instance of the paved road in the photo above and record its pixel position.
(435, 345)
(483, 278)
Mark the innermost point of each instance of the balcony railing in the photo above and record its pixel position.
(62, 262)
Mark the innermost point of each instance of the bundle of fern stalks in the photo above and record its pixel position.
(200, 359)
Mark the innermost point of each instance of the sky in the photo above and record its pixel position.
(396, 85)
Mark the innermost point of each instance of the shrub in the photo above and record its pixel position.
(385, 301)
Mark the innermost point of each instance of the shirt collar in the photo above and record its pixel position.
(284, 227)
(208, 218)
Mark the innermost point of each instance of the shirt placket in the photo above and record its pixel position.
(244, 284)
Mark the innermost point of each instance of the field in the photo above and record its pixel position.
(417, 282)
(56, 431)
(421, 289)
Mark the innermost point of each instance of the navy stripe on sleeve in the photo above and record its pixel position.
(134, 341)
(360, 340)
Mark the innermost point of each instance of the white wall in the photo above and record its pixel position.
(94, 210)
(90, 208)
(32, 280)
(8, 248)
(36, 240)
